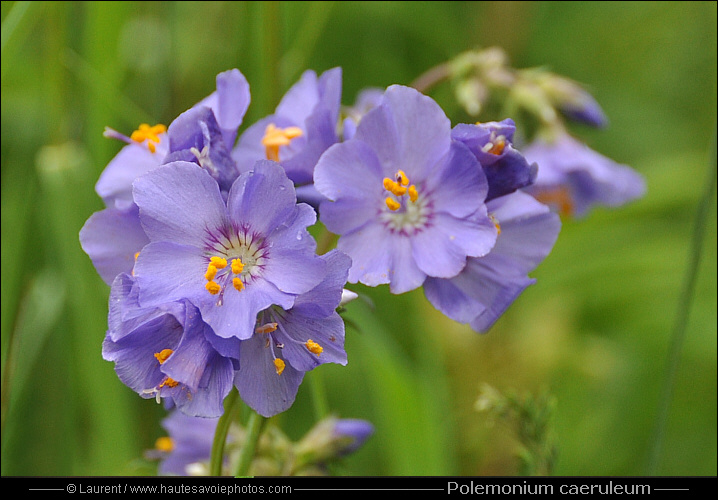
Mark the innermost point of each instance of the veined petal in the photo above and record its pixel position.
(264, 197)
(258, 383)
(458, 186)
(423, 128)
(168, 271)
(179, 202)
(371, 261)
(349, 170)
(327, 332)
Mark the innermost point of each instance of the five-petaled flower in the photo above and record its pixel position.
(406, 200)
(231, 260)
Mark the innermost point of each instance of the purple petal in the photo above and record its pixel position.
(237, 314)
(115, 183)
(328, 332)
(229, 103)
(111, 238)
(179, 202)
(167, 272)
(257, 381)
(458, 186)
(423, 128)
(441, 250)
(263, 198)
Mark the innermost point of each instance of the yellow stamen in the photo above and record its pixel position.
(266, 328)
(238, 285)
(279, 365)
(150, 134)
(392, 204)
(137, 255)
(496, 223)
(314, 347)
(237, 266)
(275, 137)
(560, 197)
(498, 147)
(413, 193)
(169, 382)
(211, 272)
(401, 178)
(213, 287)
(165, 444)
(218, 262)
(163, 355)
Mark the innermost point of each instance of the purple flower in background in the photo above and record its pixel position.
(187, 449)
(572, 100)
(366, 100)
(302, 127)
(406, 200)
(230, 260)
(163, 352)
(488, 285)
(333, 438)
(506, 168)
(288, 343)
(573, 178)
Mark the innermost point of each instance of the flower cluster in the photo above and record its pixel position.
(215, 279)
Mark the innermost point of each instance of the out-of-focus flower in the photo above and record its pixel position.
(186, 450)
(573, 178)
(163, 352)
(288, 343)
(488, 285)
(505, 167)
(302, 127)
(406, 200)
(366, 100)
(331, 438)
(230, 260)
(570, 99)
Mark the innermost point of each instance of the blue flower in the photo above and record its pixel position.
(505, 167)
(488, 285)
(163, 352)
(573, 178)
(406, 200)
(288, 343)
(302, 127)
(231, 260)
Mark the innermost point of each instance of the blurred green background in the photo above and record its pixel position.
(595, 332)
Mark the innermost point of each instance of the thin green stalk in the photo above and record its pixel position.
(251, 438)
(220, 434)
(679, 329)
(319, 395)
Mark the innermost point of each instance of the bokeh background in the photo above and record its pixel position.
(597, 333)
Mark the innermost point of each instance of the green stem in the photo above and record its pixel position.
(251, 438)
(319, 396)
(220, 434)
(679, 330)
